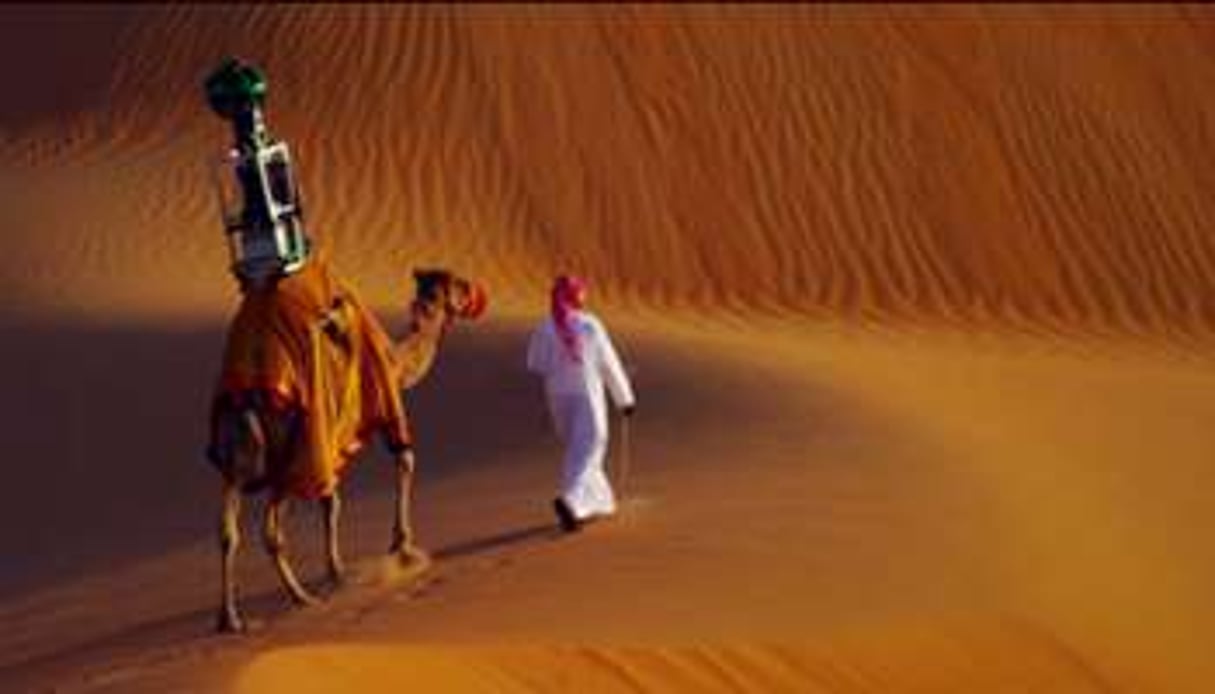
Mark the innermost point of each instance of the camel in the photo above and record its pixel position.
(264, 432)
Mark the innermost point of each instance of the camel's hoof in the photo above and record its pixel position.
(412, 557)
(229, 622)
(402, 567)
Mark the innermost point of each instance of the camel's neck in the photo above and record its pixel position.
(415, 352)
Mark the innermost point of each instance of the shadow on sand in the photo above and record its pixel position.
(489, 543)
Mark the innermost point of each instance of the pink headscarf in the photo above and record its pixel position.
(567, 297)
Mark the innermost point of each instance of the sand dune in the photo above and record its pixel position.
(918, 300)
(970, 165)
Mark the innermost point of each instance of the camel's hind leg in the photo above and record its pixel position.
(402, 531)
(229, 619)
(276, 545)
(332, 509)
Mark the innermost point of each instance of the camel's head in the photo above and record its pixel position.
(455, 296)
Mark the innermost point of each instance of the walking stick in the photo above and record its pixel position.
(622, 456)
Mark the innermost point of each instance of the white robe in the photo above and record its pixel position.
(575, 393)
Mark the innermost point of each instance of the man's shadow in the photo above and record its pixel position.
(538, 532)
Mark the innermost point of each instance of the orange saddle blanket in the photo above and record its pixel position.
(310, 347)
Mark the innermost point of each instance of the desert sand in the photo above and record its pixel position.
(919, 303)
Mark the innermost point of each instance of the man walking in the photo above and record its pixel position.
(572, 352)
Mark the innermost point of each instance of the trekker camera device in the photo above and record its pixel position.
(256, 186)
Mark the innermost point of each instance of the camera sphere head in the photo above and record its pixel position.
(235, 87)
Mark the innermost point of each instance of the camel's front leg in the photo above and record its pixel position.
(332, 508)
(402, 531)
(229, 539)
(276, 545)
